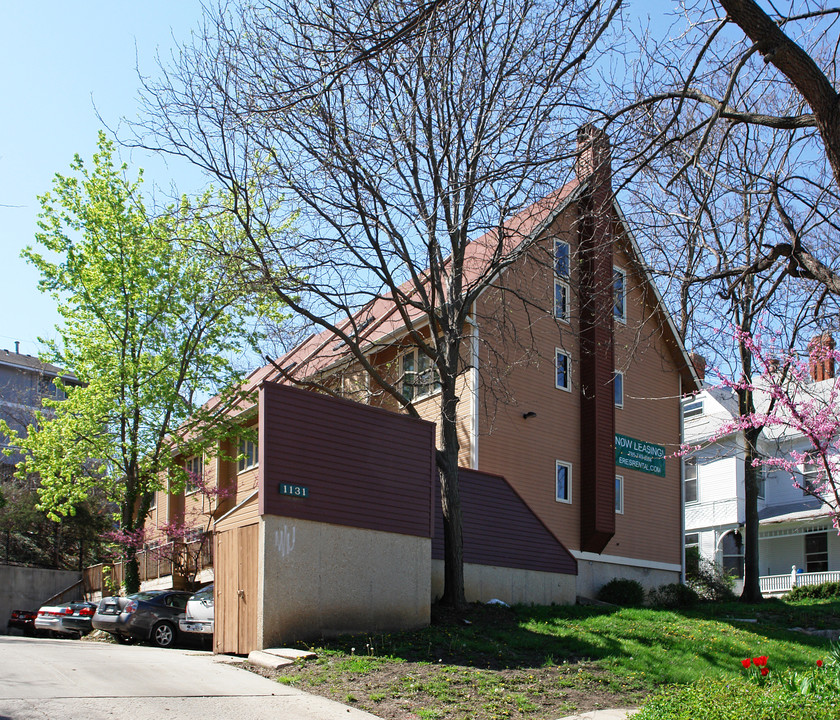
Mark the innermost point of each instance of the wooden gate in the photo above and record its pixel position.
(237, 565)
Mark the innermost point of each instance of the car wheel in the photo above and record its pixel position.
(163, 635)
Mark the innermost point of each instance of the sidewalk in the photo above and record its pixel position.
(614, 714)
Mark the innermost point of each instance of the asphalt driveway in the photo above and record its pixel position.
(52, 679)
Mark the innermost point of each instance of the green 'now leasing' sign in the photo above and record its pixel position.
(639, 455)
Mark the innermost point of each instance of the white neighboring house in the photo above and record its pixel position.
(797, 540)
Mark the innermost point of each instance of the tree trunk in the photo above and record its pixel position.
(450, 496)
(752, 588)
(131, 571)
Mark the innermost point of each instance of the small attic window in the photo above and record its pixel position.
(693, 409)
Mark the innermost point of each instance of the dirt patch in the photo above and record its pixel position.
(396, 690)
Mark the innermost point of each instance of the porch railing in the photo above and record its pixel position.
(152, 564)
(775, 584)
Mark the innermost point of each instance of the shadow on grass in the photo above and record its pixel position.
(652, 645)
(481, 636)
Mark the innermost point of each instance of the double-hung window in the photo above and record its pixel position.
(810, 476)
(248, 455)
(562, 370)
(692, 409)
(562, 482)
(561, 280)
(816, 552)
(690, 466)
(619, 294)
(420, 377)
(195, 471)
(619, 495)
(618, 389)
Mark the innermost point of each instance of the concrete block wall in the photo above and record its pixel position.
(24, 588)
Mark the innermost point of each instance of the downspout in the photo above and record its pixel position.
(682, 490)
(474, 382)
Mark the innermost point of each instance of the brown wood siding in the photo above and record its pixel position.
(597, 364)
(651, 412)
(247, 514)
(524, 451)
(235, 590)
(362, 466)
(500, 529)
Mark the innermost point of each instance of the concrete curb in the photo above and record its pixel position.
(267, 660)
(612, 714)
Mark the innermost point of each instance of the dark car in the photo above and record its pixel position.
(78, 619)
(23, 620)
(152, 615)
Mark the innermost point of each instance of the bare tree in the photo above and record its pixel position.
(395, 155)
(738, 207)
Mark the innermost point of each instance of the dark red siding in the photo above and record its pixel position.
(597, 364)
(362, 466)
(500, 529)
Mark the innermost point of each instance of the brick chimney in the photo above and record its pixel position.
(821, 357)
(699, 363)
(593, 154)
(597, 365)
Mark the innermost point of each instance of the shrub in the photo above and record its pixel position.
(728, 699)
(825, 591)
(711, 582)
(619, 591)
(673, 595)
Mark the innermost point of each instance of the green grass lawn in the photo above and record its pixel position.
(535, 662)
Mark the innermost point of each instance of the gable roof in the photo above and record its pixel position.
(380, 320)
(34, 365)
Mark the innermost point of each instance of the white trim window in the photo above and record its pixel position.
(618, 389)
(561, 280)
(420, 377)
(619, 294)
(692, 494)
(693, 409)
(810, 472)
(562, 482)
(561, 300)
(619, 495)
(561, 259)
(248, 455)
(194, 468)
(562, 370)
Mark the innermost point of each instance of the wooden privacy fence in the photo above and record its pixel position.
(153, 564)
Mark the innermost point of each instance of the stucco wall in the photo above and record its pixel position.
(592, 575)
(322, 580)
(514, 586)
(23, 588)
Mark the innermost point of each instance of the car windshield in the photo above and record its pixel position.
(149, 596)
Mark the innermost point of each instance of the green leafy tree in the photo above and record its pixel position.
(151, 325)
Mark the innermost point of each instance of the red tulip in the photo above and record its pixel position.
(745, 662)
(764, 671)
(819, 663)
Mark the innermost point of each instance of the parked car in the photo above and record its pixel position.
(49, 617)
(78, 619)
(199, 613)
(23, 620)
(152, 615)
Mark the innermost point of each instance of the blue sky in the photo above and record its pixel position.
(60, 59)
(62, 63)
